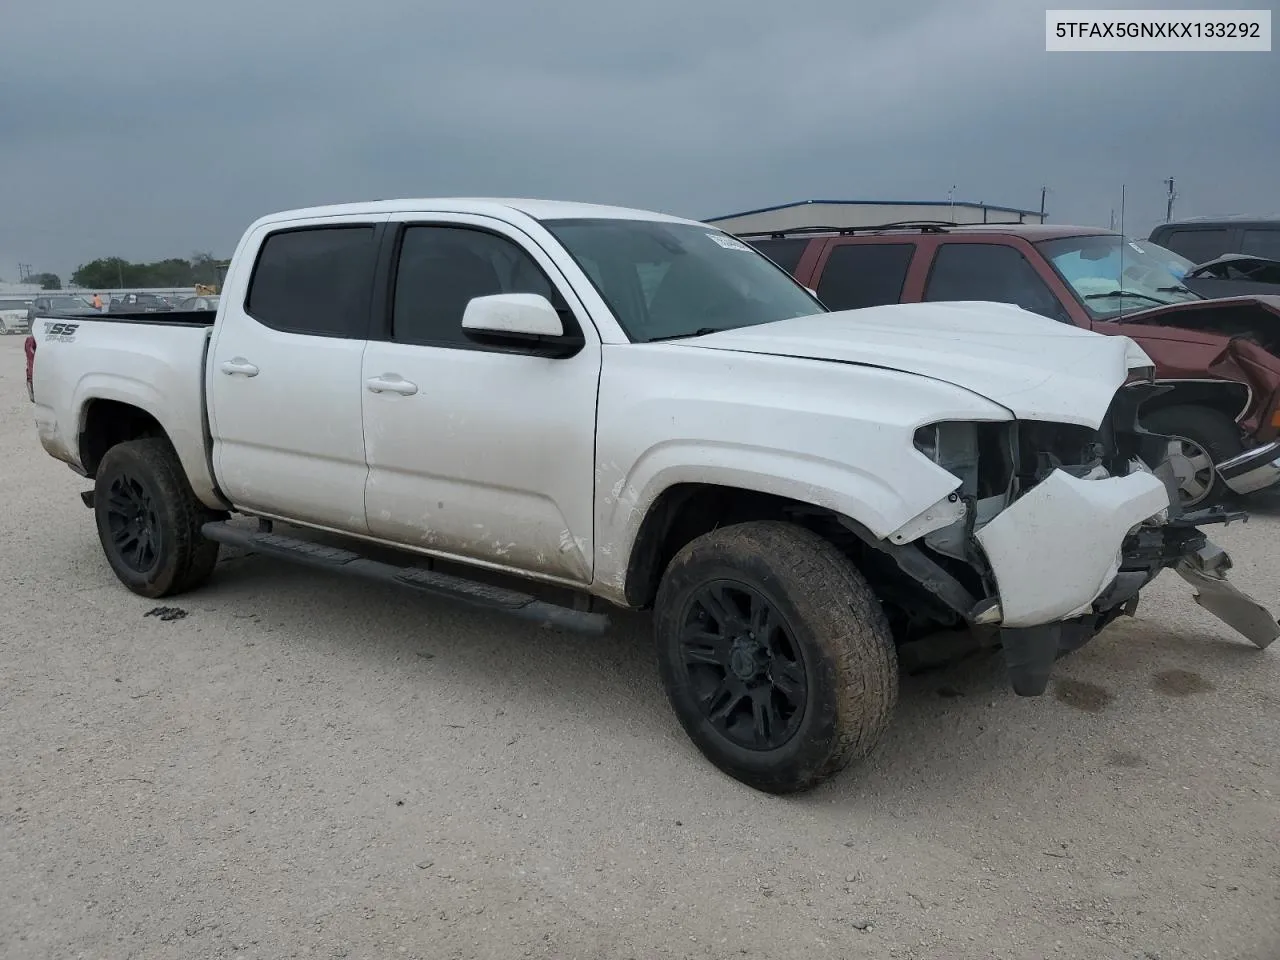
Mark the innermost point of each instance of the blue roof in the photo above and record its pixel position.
(879, 203)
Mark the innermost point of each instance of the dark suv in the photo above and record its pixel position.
(1207, 238)
(1223, 404)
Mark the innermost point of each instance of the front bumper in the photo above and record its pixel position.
(1071, 555)
(1055, 549)
(1252, 470)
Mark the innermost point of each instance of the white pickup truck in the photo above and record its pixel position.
(648, 412)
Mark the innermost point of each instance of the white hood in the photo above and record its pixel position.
(1037, 368)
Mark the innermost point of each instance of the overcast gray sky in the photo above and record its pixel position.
(149, 128)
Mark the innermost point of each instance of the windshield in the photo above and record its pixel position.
(14, 304)
(1112, 275)
(1175, 263)
(668, 280)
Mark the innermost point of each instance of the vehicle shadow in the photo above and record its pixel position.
(546, 677)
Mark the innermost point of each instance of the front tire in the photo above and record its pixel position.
(775, 654)
(149, 520)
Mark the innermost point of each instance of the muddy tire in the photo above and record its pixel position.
(149, 520)
(1206, 438)
(775, 654)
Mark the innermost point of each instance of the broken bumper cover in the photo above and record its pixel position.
(1253, 470)
(1072, 555)
(1057, 548)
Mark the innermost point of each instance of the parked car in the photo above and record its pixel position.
(1202, 239)
(13, 315)
(641, 411)
(1234, 275)
(139, 303)
(198, 303)
(1223, 398)
(58, 304)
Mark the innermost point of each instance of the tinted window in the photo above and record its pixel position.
(315, 281)
(14, 304)
(1198, 246)
(990, 271)
(442, 269)
(786, 253)
(864, 274)
(1262, 243)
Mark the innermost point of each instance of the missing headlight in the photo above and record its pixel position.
(979, 455)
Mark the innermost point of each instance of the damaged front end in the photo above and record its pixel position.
(1053, 532)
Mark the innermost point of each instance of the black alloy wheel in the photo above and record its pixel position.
(132, 523)
(745, 668)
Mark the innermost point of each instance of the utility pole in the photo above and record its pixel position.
(1043, 190)
(1168, 210)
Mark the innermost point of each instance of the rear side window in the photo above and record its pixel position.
(315, 281)
(1198, 246)
(864, 275)
(783, 251)
(1263, 242)
(994, 272)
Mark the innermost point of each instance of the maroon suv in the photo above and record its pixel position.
(1223, 404)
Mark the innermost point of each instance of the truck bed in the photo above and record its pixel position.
(85, 363)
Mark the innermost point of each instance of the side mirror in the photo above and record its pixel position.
(520, 322)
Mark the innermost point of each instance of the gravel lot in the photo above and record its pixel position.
(308, 766)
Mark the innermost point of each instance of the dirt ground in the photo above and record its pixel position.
(308, 766)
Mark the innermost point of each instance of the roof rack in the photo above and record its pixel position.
(924, 226)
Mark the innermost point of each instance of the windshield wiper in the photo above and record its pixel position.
(700, 332)
(1176, 288)
(1125, 293)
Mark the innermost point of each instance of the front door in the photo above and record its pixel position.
(475, 452)
(283, 375)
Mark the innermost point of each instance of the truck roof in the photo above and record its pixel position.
(537, 209)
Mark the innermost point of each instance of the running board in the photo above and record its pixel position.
(471, 592)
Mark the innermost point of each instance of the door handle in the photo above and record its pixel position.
(239, 365)
(391, 383)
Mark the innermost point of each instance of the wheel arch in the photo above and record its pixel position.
(111, 412)
(106, 422)
(1229, 397)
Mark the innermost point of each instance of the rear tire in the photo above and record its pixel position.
(149, 520)
(1207, 437)
(775, 654)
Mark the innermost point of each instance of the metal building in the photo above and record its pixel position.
(868, 213)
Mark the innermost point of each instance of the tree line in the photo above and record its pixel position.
(115, 272)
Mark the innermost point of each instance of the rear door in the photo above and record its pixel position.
(480, 453)
(283, 377)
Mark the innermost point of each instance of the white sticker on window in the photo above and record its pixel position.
(728, 242)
